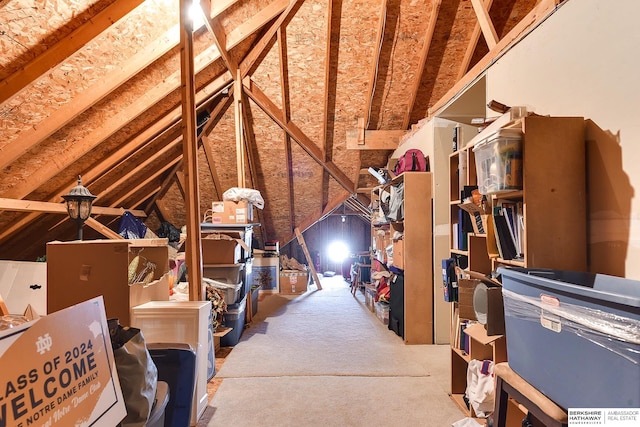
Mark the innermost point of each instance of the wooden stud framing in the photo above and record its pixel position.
(473, 42)
(488, 30)
(308, 257)
(286, 116)
(193, 253)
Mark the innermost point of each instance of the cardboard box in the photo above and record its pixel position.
(466, 287)
(228, 212)
(78, 271)
(220, 251)
(24, 283)
(398, 254)
(293, 282)
(70, 371)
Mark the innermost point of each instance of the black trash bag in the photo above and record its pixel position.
(137, 373)
(169, 231)
(131, 227)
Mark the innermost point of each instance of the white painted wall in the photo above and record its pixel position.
(584, 60)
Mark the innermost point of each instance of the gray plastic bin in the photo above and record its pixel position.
(234, 318)
(574, 336)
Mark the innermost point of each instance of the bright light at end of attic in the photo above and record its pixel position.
(338, 251)
(196, 15)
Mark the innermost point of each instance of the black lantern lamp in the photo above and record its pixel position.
(79, 201)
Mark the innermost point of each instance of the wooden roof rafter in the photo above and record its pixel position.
(251, 149)
(119, 120)
(88, 98)
(373, 72)
(251, 60)
(65, 47)
(286, 116)
(216, 115)
(424, 52)
(298, 135)
(165, 127)
(540, 12)
(330, 76)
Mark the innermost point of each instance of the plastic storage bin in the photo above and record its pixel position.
(234, 318)
(176, 363)
(574, 336)
(230, 291)
(499, 161)
(226, 273)
(255, 294)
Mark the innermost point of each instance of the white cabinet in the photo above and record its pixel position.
(180, 322)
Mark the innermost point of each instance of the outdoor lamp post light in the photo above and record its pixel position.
(79, 201)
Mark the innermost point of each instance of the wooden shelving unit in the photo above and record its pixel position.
(554, 201)
(416, 227)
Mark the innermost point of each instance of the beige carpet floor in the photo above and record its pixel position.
(323, 359)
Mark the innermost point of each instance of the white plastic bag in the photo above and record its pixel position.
(236, 194)
(480, 387)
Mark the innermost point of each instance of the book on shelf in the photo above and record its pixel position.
(513, 211)
(504, 239)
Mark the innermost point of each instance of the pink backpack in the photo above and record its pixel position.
(412, 160)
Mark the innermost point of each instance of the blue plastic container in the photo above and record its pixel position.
(234, 318)
(574, 336)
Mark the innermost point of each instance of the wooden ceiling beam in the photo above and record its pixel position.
(87, 98)
(58, 208)
(488, 30)
(65, 47)
(540, 12)
(162, 210)
(473, 43)
(103, 229)
(299, 136)
(424, 53)
(95, 172)
(107, 128)
(373, 139)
